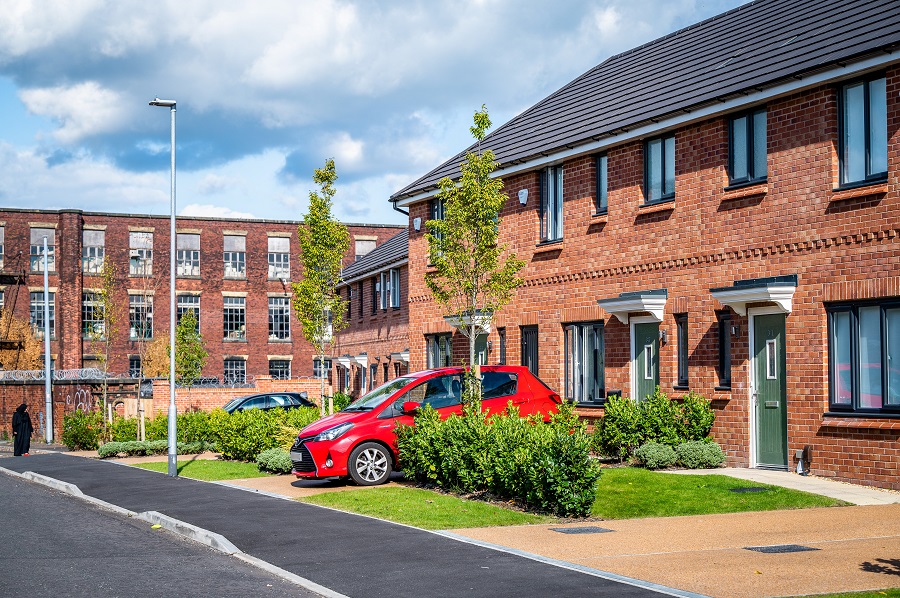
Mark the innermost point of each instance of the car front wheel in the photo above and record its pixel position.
(370, 464)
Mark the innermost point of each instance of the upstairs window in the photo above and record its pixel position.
(601, 203)
(2, 245)
(93, 250)
(234, 316)
(37, 314)
(659, 169)
(140, 317)
(384, 290)
(279, 318)
(37, 249)
(279, 258)
(552, 204)
(747, 155)
(187, 254)
(92, 320)
(235, 256)
(864, 132)
(395, 287)
(187, 303)
(140, 254)
(363, 246)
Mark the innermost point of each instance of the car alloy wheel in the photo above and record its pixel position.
(370, 464)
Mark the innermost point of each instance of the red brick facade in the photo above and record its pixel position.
(841, 244)
(71, 350)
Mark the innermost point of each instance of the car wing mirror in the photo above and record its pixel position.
(410, 407)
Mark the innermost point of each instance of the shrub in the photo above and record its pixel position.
(619, 432)
(82, 430)
(157, 428)
(697, 415)
(655, 455)
(545, 466)
(150, 447)
(340, 400)
(276, 460)
(700, 455)
(245, 434)
(626, 424)
(194, 426)
(295, 420)
(122, 429)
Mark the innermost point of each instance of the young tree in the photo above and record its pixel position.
(19, 349)
(323, 242)
(155, 358)
(106, 322)
(190, 356)
(471, 279)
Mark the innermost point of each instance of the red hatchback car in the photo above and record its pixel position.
(359, 441)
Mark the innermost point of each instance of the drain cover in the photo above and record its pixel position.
(748, 489)
(780, 548)
(580, 530)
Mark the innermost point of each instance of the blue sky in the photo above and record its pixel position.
(269, 90)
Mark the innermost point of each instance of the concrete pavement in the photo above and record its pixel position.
(838, 549)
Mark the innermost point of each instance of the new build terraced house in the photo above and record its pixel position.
(715, 211)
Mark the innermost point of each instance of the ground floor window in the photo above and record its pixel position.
(440, 350)
(864, 356)
(585, 379)
(280, 369)
(134, 366)
(235, 370)
(318, 370)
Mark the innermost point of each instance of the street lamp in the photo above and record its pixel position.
(173, 451)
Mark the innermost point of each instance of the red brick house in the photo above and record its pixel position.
(374, 348)
(235, 275)
(715, 211)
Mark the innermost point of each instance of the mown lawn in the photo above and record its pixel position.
(629, 492)
(890, 593)
(423, 508)
(209, 470)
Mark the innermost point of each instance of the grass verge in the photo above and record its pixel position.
(209, 470)
(890, 593)
(423, 508)
(629, 493)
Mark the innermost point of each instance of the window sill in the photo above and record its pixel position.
(746, 190)
(548, 246)
(681, 387)
(722, 389)
(599, 217)
(666, 205)
(856, 191)
(590, 405)
(244, 278)
(871, 421)
(279, 340)
(234, 340)
(188, 276)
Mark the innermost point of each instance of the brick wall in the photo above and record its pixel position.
(207, 399)
(68, 348)
(836, 242)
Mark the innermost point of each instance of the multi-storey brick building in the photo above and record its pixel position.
(374, 348)
(715, 211)
(234, 274)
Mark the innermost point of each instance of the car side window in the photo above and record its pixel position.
(279, 400)
(253, 403)
(443, 391)
(495, 385)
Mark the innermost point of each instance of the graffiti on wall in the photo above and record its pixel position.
(80, 398)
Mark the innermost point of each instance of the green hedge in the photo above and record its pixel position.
(545, 466)
(151, 447)
(627, 424)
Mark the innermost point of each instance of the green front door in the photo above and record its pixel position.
(646, 359)
(771, 391)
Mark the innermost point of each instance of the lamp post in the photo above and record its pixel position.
(173, 452)
(48, 395)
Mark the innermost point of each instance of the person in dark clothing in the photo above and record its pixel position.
(22, 430)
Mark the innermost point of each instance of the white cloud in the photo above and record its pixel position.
(345, 150)
(213, 183)
(83, 109)
(212, 211)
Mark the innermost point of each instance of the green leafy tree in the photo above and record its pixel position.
(106, 323)
(323, 242)
(474, 275)
(190, 356)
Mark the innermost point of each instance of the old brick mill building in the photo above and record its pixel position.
(715, 211)
(234, 274)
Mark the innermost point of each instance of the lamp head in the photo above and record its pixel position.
(163, 103)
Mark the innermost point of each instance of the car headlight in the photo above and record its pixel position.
(333, 433)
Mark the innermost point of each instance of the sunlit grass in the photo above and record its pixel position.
(209, 470)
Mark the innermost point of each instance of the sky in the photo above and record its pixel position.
(268, 90)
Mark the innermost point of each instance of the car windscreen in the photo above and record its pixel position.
(378, 396)
(233, 403)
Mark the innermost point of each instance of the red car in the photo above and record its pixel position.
(359, 441)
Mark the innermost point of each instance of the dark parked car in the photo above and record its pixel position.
(269, 400)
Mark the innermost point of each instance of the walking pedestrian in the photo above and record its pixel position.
(22, 430)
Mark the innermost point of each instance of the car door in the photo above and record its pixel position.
(499, 388)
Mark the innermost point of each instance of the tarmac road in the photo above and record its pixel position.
(53, 544)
